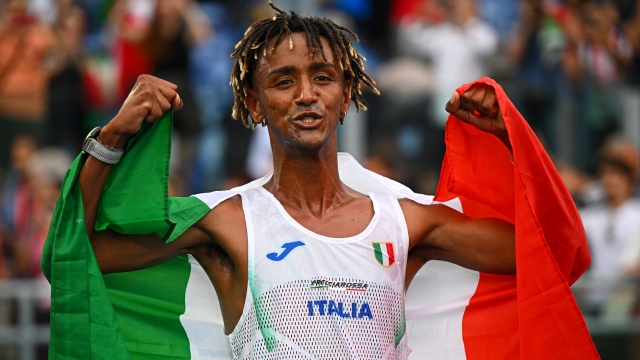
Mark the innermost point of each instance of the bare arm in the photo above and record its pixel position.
(486, 245)
(116, 252)
(437, 232)
(148, 100)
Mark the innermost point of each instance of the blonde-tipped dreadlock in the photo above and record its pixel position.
(258, 35)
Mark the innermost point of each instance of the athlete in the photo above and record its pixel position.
(290, 260)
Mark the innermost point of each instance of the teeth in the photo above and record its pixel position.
(308, 119)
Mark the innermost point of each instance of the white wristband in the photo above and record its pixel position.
(102, 152)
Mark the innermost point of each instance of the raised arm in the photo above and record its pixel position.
(117, 252)
(437, 232)
(148, 100)
(486, 245)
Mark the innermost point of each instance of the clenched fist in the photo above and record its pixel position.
(147, 101)
(479, 107)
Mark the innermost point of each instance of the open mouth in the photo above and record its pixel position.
(308, 119)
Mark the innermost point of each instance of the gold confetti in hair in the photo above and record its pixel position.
(259, 35)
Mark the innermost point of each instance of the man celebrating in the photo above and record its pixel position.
(304, 266)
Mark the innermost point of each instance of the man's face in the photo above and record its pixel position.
(300, 96)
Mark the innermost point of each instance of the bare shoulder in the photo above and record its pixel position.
(226, 211)
(226, 227)
(421, 219)
(415, 212)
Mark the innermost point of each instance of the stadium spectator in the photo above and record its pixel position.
(45, 170)
(129, 24)
(66, 101)
(25, 47)
(598, 57)
(16, 200)
(611, 225)
(209, 77)
(178, 26)
(535, 47)
(457, 44)
(458, 49)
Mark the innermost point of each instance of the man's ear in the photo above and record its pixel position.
(255, 110)
(346, 97)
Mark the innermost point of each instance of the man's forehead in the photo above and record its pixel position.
(296, 47)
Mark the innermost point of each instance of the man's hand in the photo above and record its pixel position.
(147, 101)
(479, 107)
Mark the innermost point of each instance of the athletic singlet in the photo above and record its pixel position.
(316, 297)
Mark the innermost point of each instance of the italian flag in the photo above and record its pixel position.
(171, 311)
(384, 253)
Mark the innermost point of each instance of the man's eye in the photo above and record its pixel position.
(323, 78)
(284, 82)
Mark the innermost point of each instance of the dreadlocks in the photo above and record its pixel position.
(282, 24)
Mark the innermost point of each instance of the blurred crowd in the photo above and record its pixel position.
(572, 67)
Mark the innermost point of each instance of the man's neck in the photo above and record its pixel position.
(307, 180)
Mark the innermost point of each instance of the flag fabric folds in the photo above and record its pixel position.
(540, 319)
(137, 315)
(170, 311)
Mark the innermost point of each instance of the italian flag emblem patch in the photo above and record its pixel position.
(384, 253)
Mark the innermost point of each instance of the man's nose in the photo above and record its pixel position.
(307, 92)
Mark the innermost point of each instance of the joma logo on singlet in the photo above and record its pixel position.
(287, 249)
(330, 307)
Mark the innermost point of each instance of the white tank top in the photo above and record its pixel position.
(316, 297)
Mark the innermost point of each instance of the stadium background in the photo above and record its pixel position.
(572, 67)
